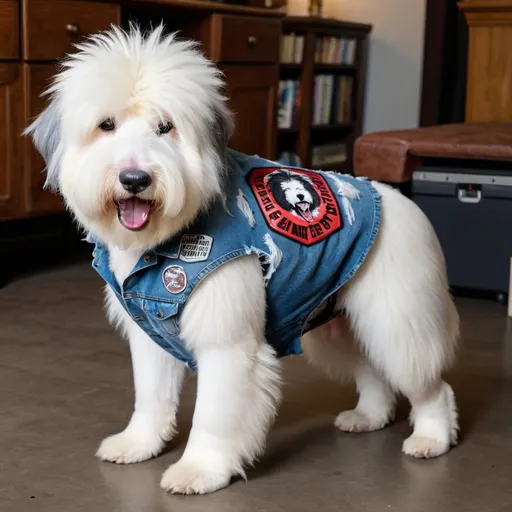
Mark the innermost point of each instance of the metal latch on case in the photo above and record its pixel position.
(469, 193)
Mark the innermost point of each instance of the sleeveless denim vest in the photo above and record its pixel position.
(311, 231)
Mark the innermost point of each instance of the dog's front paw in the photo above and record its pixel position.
(357, 421)
(190, 477)
(424, 447)
(130, 446)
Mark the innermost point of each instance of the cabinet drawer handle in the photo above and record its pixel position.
(72, 28)
(252, 40)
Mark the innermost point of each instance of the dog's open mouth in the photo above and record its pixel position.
(304, 210)
(134, 213)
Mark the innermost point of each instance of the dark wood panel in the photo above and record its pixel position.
(51, 28)
(38, 201)
(11, 119)
(252, 93)
(9, 29)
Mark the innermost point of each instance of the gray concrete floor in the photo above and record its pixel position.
(65, 383)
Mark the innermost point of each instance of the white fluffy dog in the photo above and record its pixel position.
(153, 106)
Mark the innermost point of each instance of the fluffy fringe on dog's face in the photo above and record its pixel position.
(134, 137)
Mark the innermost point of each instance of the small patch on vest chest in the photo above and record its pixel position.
(195, 248)
(175, 279)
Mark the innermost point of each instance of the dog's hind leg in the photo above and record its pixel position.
(332, 349)
(406, 322)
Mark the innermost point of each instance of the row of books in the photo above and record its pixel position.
(289, 103)
(332, 102)
(292, 48)
(328, 154)
(335, 50)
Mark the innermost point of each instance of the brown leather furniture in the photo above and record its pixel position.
(393, 156)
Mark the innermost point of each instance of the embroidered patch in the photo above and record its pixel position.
(194, 248)
(175, 279)
(296, 203)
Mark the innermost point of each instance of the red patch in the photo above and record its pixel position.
(297, 204)
(175, 279)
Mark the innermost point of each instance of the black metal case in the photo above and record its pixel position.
(471, 211)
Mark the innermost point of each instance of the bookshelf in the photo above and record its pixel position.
(321, 90)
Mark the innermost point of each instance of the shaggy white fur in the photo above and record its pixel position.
(129, 101)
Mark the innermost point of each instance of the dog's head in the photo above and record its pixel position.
(135, 135)
(294, 192)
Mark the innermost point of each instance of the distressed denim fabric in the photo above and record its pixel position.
(311, 230)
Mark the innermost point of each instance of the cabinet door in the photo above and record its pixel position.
(38, 201)
(252, 92)
(11, 126)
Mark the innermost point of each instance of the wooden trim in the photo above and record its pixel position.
(432, 62)
(360, 88)
(214, 37)
(307, 91)
(308, 23)
(485, 5)
(487, 12)
(206, 5)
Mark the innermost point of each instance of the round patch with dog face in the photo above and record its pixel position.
(296, 203)
(175, 279)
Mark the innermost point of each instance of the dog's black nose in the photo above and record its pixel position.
(135, 181)
(300, 197)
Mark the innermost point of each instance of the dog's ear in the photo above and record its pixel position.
(46, 135)
(304, 178)
(271, 176)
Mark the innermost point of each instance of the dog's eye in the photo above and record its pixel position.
(164, 128)
(107, 125)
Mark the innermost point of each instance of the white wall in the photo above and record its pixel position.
(395, 57)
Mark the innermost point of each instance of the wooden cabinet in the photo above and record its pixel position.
(253, 95)
(489, 68)
(34, 34)
(11, 126)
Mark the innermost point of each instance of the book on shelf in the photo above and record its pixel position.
(289, 159)
(332, 99)
(328, 154)
(289, 103)
(335, 50)
(292, 48)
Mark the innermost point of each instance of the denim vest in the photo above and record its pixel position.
(311, 231)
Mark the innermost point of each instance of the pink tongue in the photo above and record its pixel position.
(134, 213)
(304, 209)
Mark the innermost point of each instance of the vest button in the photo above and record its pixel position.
(160, 313)
(147, 258)
(138, 318)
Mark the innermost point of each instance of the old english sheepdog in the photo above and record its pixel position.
(223, 262)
